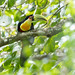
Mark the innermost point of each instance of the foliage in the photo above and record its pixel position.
(60, 48)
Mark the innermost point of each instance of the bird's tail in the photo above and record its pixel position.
(26, 51)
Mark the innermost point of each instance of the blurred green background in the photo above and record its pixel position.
(55, 55)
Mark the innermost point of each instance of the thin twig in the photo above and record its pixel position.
(57, 11)
(19, 10)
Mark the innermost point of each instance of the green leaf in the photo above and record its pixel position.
(48, 66)
(69, 43)
(11, 3)
(10, 12)
(13, 54)
(30, 1)
(10, 57)
(71, 9)
(27, 51)
(6, 48)
(8, 61)
(38, 11)
(3, 34)
(0, 13)
(55, 71)
(22, 18)
(16, 66)
(17, 16)
(58, 36)
(2, 1)
(50, 45)
(33, 68)
(55, 2)
(39, 40)
(41, 3)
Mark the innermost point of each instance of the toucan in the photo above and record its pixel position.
(24, 26)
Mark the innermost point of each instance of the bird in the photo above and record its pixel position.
(25, 26)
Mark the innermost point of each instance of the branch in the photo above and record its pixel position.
(19, 10)
(57, 11)
(59, 53)
(49, 32)
(39, 57)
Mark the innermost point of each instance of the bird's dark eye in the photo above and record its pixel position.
(31, 17)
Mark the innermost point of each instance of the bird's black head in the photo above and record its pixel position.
(30, 17)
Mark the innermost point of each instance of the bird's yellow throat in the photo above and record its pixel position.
(26, 25)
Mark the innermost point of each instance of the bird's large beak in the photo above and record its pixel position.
(39, 17)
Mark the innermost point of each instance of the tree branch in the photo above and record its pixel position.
(49, 32)
(59, 53)
(57, 11)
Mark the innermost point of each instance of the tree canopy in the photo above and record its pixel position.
(53, 50)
